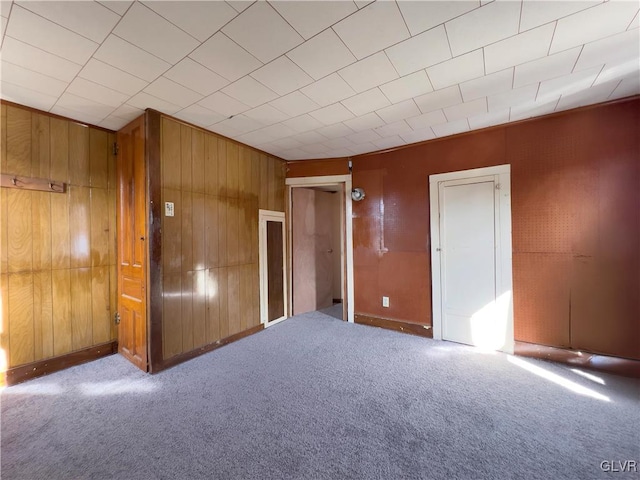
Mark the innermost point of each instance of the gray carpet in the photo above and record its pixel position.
(314, 398)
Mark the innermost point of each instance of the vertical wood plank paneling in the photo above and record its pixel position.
(213, 306)
(4, 230)
(99, 216)
(78, 154)
(59, 144)
(264, 182)
(244, 231)
(254, 231)
(211, 185)
(255, 175)
(172, 233)
(271, 184)
(233, 170)
(98, 158)
(199, 308)
(80, 226)
(255, 295)
(113, 292)
(3, 139)
(280, 185)
(18, 141)
(197, 160)
(40, 152)
(111, 208)
(199, 239)
(233, 231)
(171, 158)
(233, 299)
(222, 169)
(20, 231)
(100, 311)
(111, 160)
(43, 314)
(81, 311)
(187, 311)
(172, 314)
(223, 253)
(244, 172)
(211, 231)
(187, 231)
(21, 333)
(185, 162)
(61, 294)
(246, 285)
(223, 301)
(60, 236)
(4, 325)
(41, 229)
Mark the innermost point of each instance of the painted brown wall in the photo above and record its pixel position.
(576, 226)
(210, 247)
(316, 168)
(57, 259)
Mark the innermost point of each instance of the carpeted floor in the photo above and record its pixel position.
(316, 398)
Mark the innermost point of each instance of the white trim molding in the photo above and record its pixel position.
(265, 216)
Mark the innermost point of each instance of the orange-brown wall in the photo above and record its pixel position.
(57, 251)
(210, 247)
(575, 183)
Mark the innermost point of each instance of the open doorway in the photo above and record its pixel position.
(321, 252)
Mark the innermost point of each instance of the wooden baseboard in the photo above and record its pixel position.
(183, 357)
(26, 372)
(591, 361)
(399, 326)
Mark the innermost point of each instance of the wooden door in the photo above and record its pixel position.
(131, 235)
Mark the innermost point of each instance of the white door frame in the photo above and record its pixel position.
(348, 228)
(263, 217)
(504, 279)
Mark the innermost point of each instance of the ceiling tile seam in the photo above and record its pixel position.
(575, 64)
(555, 27)
(613, 92)
(403, 20)
(341, 40)
(484, 63)
(520, 16)
(446, 34)
(44, 51)
(106, 5)
(596, 77)
(287, 22)
(4, 34)
(92, 99)
(27, 88)
(177, 26)
(632, 21)
(513, 77)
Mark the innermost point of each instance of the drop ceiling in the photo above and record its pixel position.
(319, 79)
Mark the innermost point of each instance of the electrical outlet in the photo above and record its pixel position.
(385, 302)
(168, 209)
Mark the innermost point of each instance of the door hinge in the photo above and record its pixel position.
(116, 149)
(116, 318)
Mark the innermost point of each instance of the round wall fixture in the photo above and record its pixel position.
(357, 194)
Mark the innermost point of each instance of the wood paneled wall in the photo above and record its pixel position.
(210, 247)
(57, 259)
(575, 183)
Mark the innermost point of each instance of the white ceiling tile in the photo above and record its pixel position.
(38, 32)
(266, 114)
(254, 138)
(418, 135)
(282, 76)
(489, 119)
(111, 77)
(240, 5)
(421, 51)
(375, 27)
(5, 8)
(84, 106)
(143, 100)
(412, 85)
(611, 50)
(362, 148)
(195, 76)
(225, 57)
(399, 111)
(421, 16)
(548, 67)
(279, 131)
(241, 124)
(395, 128)
(616, 72)
(32, 80)
(309, 137)
(339, 152)
(262, 32)
(457, 70)
(322, 54)
(3, 26)
(199, 19)
(19, 53)
(329, 90)
(294, 104)
(173, 92)
(627, 87)
(363, 136)
(366, 102)
(94, 91)
(293, 154)
(589, 96)
(338, 143)
(224, 130)
(159, 37)
(518, 49)
(317, 148)
(113, 123)
(24, 96)
(532, 109)
(83, 117)
(487, 85)
(503, 100)
(303, 123)
(593, 24)
(439, 99)
(635, 23)
(539, 12)
(249, 91)
(89, 19)
(471, 31)
(310, 18)
(127, 112)
(129, 58)
(389, 142)
(468, 109)
(199, 115)
(286, 143)
(368, 73)
(332, 114)
(118, 6)
(364, 122)
(223, 104)
(335, 131)
(427, 119)
(567, 84)
(451, 128)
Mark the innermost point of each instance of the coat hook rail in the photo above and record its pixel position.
(28, 183)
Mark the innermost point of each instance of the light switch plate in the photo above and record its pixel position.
(385, 302)
(168, 209)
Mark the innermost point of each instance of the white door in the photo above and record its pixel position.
(474, 293)
(273, 273)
